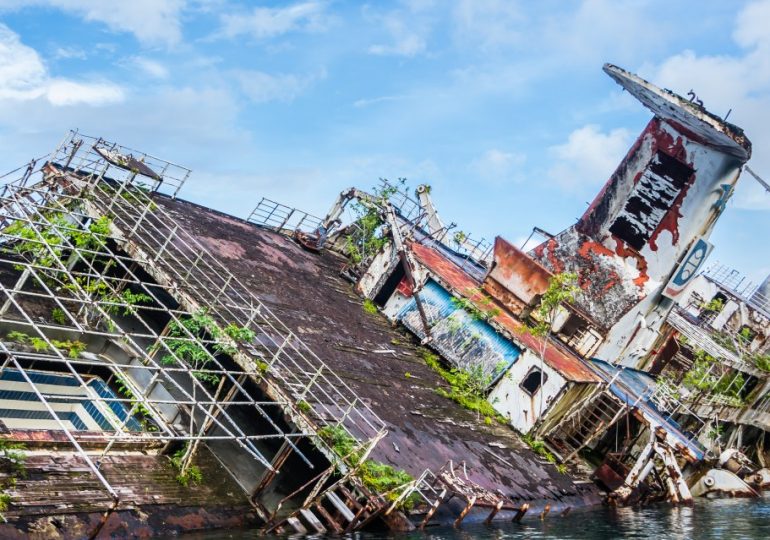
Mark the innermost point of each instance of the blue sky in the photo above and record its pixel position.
(500, 105)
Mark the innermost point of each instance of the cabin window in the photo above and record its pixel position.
(533, 381)
(650, 200)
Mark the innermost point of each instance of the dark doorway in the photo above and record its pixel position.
(390, 285)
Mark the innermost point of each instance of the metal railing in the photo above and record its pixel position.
(279, 217)
(701, 339)
(735, 282)
(89, 155)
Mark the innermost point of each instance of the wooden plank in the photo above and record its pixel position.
(312, 520)
(296, 524)
(340, 506)
(330, 521)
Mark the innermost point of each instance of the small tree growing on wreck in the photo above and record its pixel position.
(562, 288)
(366, 239)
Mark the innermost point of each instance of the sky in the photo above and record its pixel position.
(500, 105)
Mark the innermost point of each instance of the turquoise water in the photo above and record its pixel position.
(717, 519)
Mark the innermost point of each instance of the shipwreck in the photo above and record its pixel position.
(167, 367)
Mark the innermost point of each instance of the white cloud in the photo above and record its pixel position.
(488, 23)
(261, 87)
(24, 76)
(68, 53)
(407, 29)
(406, 42)
(498, 166)
(588, 157)
(22, 72)
(366, 102)
(63, 92)
(151, 21)
(150, 67)
(264, 22)
(739, 82)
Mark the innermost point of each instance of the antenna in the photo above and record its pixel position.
(764, 183)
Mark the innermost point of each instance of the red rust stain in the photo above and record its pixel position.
(590, 247)
(557, 266)
(405, 288)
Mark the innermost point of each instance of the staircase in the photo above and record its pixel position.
(584, 425)
(344, 507)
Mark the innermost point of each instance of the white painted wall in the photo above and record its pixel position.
(382, 264)
(514, 403)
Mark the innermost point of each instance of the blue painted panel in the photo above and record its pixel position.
(466, 342)
(120, 410)
(635, 388)
(93, 411)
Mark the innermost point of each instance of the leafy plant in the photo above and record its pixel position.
(539, 448)
(12, 458)
(18, 337)
(466, 388)
(367, 238)
(370, 307)
(376, 476)
(72, 348)
(714, 306)
(706, 375)
(304, 406)
(562, 289)
(39, 344)
(186, 475)
(139, 407)
(127, 297)
(192, 351)
(58, 316)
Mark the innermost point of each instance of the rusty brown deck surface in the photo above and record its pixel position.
(425, 430)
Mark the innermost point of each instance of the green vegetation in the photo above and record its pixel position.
(367, 239)
(58, 316)
(72, 348)
(714, 306)
(191, 350)
(12, 460)
(304, 406)
(145, 418)
(370, 307)
(483, 313)
(562, 288)
(126, 297)
(539, 448)
(377, 477)
(191, 474)
(466, 388)
(46, 245)
(715, 432)
(706, 376)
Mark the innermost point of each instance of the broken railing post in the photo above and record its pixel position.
(494, 512)
(520, 513)
(466, 510)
